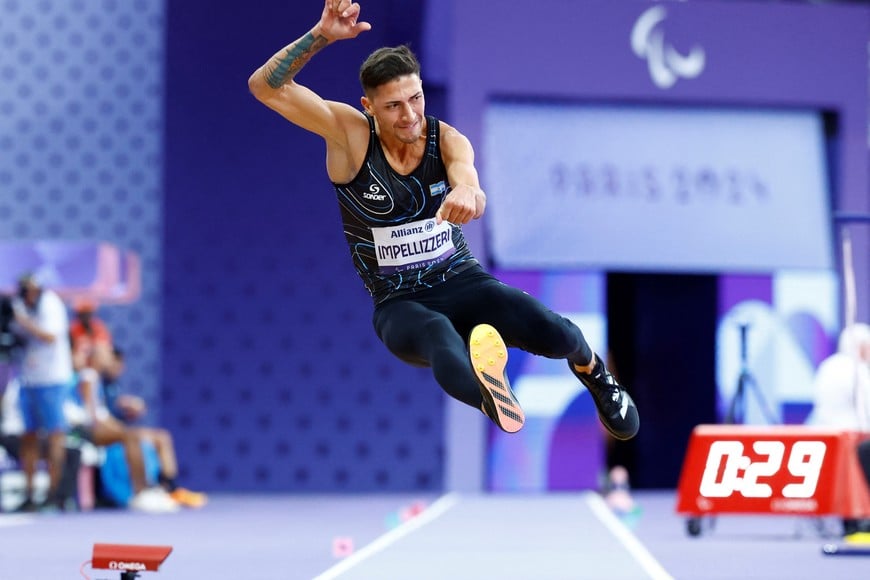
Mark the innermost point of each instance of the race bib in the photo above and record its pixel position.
(413, 245)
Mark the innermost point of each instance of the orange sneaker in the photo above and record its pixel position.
(488, 354)
(187, 498)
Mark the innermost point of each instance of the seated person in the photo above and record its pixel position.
(130, 409)
(86, 329)
(841, 396)
(87, 413)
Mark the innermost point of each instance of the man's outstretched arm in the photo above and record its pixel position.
(284, 65)
(273, 84)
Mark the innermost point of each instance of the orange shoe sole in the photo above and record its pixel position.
(489, 357)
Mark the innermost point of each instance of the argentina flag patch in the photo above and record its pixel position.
(438, 188)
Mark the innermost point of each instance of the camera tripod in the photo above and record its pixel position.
(745, 381)
(736, 414)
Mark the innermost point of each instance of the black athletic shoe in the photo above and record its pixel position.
(488, 355)
(616, 409)
(28, 506)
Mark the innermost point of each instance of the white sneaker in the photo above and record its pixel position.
(153, 500)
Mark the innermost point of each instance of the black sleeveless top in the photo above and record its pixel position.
(389, 224)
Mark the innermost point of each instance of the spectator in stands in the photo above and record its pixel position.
(45, 376)
(128, 408)
(89, 333)
(90, 415)
(108, 414)
(131, 409)
(841, 397)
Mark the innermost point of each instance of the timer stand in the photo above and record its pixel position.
(790, 470)
(736, 414)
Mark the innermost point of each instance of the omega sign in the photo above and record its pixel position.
(138, 566)
(665, 64)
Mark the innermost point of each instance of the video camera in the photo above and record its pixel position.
(9, 340)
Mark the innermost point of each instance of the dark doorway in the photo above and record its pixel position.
(661, 335)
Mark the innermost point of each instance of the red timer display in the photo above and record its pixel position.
(782, 470)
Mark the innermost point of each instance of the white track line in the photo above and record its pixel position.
(9, 520)
(434, 511)
(631, 543)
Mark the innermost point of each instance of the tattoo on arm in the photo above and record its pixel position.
(280, 70)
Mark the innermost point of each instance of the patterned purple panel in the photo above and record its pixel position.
(81, 161)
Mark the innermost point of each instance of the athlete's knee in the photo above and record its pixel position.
(438, 329)
(453, 373)
(558, 337)
(452, 369)
(414, 333)
(129, 437)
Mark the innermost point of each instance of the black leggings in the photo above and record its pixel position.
(431, 328)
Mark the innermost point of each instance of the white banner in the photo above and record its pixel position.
(656, 189)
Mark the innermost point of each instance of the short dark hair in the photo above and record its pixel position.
(387, 64)
(27, 281)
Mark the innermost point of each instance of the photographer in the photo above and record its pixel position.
(10, 343)
(45, 376)
(10, 347)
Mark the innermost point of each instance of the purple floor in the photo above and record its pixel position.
(553, 536)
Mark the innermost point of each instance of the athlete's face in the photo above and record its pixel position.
(398, 107)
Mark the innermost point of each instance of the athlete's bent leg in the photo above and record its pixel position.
(526, 323)
(423, 337)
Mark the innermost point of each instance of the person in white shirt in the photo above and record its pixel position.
(841, 389)
(841, 397)
(46, 376)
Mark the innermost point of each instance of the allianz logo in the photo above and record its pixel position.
(665, 64)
